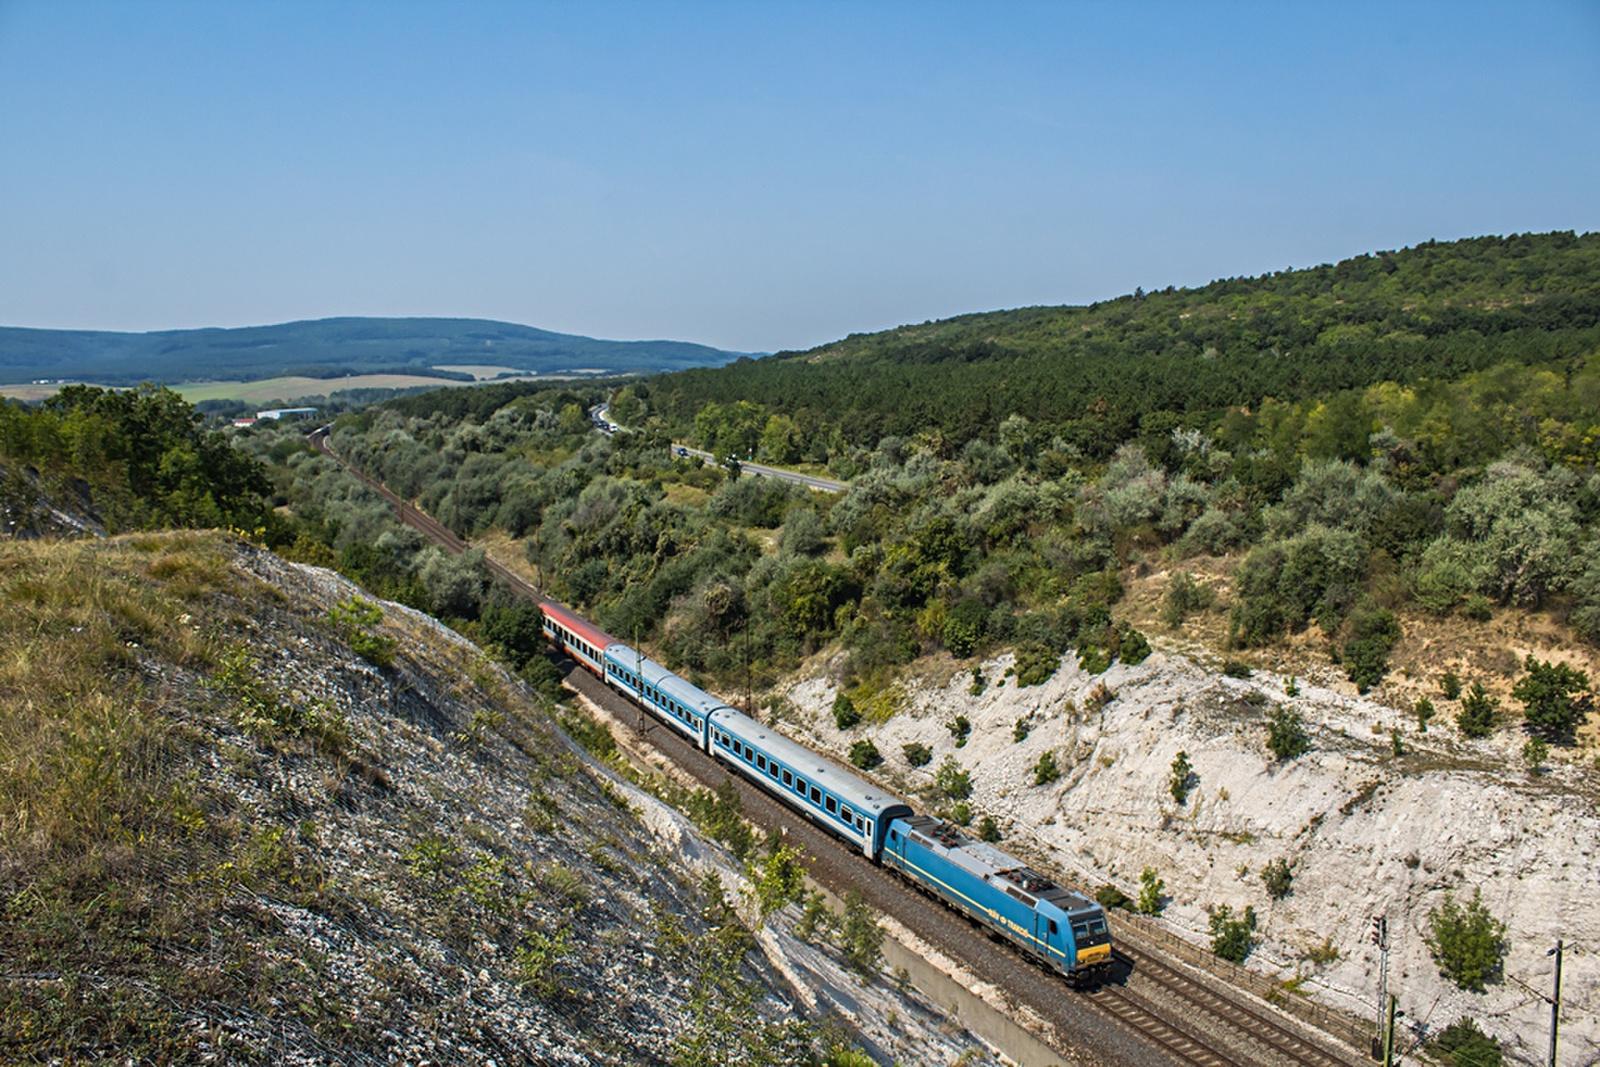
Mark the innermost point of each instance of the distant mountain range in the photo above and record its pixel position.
(329, 348)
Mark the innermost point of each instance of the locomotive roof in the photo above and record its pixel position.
(578, 624)
(861, 795)
(689, 695)
(1000, 869)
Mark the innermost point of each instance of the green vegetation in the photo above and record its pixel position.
(1181, 779)
(1286, 733)
(1109, 896)
(864, 754)
(861, 936)
(1450, 685)
(960, 729)
(1184, 597)
(1477, 716)
(1152, 900)
(1555, 696)
(952, 781)
(1534, 753)
(1045, 772)
(1467, 942)
(917, 754)
(1232, 937)
(1278, 878)
(988, 829)
(1424, 712)
(1462, 1044)
(845, 714)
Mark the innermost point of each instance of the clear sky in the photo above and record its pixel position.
(756, 175)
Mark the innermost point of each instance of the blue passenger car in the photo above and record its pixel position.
(684, 707)
(1065, 929)
(831, 796)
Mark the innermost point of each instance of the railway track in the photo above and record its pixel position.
(1208, 1030)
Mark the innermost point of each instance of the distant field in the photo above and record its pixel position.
(269, 390)
(481, 371)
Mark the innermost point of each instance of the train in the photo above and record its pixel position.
(1064, 929)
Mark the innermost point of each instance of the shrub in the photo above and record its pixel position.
(952, 781)
(988, 829)
(1236, 668)
(1019, 732)
(1232, 938)
(1477, 607)
(960, 729)
(1133, 648)
(1286, 734)
(1467, 943)
(1464, 1045)
(917, 754)
(1477, 712)
(1109, 897)
(1182, 772)
(1423, 712)
(1184, 597)
(1046, 771)
(1278, 878)
(961, 813)
(965, 626)
(845, 714)
(1093, 660)
(1554, 696)
(1534, 753)
(1366, 654)
(1036, 665)
(1450, 685)
(1151, 890)
(864, 754)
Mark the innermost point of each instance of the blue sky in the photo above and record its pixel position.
(756, 176)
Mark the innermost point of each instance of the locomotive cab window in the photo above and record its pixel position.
(1053, 928)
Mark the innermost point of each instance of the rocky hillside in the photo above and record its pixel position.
(1362, 831)
(247, 817)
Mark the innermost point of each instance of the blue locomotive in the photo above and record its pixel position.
(1061, 927)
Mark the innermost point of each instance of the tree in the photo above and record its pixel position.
(1286, 734)
(1423, 712)
(1476, 718)
(780, 880)
(917, 754)
(1467, 943)
(862, 936)
(1534, 753)
(1555, 696)
(1232, 938)
(1182, 772)
(1151, 888)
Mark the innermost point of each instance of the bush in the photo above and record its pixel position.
(1450, 685)
(960, 729)
(1046, 771)
(845, 714)
(1184, 597)
(1467, 943)
(1236, 668)
(1286, 734)
(1232, 938)
(1423, 712)
(1019, 732)
(1477, 607)
(1093, 660)
(1366, 654)
(965, 627)
(1534, 753)
(1182, 772)
(1464, 1045)
(862, 936)
(917, 754)
(864, 754)
(1477, 712)
(1036, 665)
(1554, 696)
(1278, 878)
(952, 781)
(988, 829)
(1151, 890)
(1110, 897)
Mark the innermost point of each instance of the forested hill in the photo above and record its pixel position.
(327, 348)
(1090, 374)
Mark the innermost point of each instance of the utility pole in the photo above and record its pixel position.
(1555, 1002)
(1380, 937)
(1388, 1036)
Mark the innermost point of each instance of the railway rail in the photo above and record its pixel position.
(1206, 1029)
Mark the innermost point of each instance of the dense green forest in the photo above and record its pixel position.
(1093, 377)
